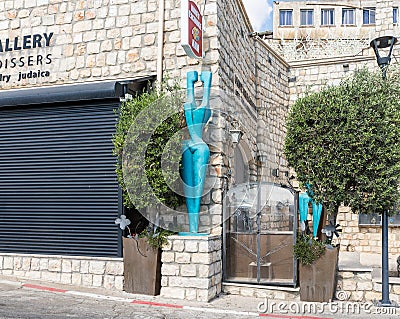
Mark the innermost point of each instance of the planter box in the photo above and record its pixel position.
(142, 267)
(318, 281)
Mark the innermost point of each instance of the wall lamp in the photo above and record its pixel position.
(236, 133)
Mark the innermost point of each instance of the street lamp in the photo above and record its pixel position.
(383, 43)
(383, 62)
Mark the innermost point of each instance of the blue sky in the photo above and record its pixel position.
(260, 13)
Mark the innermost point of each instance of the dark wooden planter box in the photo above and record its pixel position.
(142, 267)
(318, 281)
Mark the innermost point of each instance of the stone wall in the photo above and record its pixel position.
(384, 17)
(273, 293)
(192, 268)
(79, 271)
(361, 286)
(273, 76)
(307, 76)
(251, 71)
(366, 241)
(96, 40)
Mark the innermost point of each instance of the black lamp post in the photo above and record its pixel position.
(383, 43)
(383, 62)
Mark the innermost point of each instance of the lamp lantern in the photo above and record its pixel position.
(383, 43)
(236, 135)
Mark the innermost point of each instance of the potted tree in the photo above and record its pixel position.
(143, 235)
(142, 257)
(343, 142)
(318, 262)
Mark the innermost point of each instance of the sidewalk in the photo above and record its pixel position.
(224, 304)
(227, 305)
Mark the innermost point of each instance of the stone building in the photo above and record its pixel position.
(64, 66)
(331, 19)
(324, 59)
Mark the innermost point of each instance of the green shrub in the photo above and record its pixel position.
(154, 102)
(307, 249)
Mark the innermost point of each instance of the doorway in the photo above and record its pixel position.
(259, 233)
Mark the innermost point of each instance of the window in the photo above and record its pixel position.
(395, 14)
(369, 16)
(285, 17)
(306, 17)
(327, 17)
(348, 17)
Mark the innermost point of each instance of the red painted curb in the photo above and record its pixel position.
(156, 304)
(166, 305)
(43, 288)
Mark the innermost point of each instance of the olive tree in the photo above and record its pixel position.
(147, 123)
(344, 143)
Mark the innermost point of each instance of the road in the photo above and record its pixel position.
(18, 300)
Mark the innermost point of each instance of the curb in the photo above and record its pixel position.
(165, 305)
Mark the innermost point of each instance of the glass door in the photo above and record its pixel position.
(259, 233)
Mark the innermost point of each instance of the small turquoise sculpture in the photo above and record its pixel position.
(195, 152)
(304, 199)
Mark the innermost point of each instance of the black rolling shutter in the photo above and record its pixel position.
(58, 188)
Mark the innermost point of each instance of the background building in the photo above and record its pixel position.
(64, 67)
(332, 19)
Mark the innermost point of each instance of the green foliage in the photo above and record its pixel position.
(153, 103)
(156, 237)
(307, 249)
(344, 141)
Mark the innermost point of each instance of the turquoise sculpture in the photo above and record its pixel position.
(195, 152)
(304, 199)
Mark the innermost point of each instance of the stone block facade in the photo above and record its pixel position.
(273, 293)
(79, 271)
(361, 286)
(298, 42)
(258, 77)
(383, 17)
(192, 268)
(95, 40)
(366, 241)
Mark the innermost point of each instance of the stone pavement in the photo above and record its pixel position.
(38, 299)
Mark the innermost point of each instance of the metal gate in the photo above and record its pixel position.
(259, 232)
(58, 187)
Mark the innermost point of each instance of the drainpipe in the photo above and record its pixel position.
(160, 45)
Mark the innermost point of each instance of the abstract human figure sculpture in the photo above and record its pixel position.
(195, 152)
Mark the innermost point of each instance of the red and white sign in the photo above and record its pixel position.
(192, 29)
